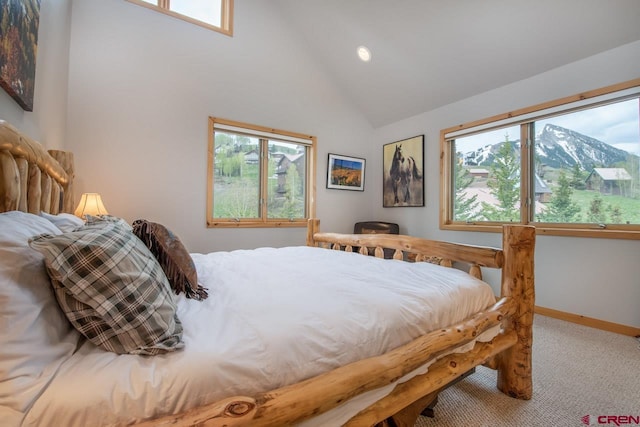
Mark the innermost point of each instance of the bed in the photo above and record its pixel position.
(353, 340)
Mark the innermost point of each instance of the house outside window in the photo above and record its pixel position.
(569, 167)
(259, 177)
(215, 15)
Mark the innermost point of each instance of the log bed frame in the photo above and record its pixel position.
(34, 180)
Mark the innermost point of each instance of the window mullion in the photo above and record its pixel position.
(311, 183)
(448, 171)
(264, 171)
(526, 173)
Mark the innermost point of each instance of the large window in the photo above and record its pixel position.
(569, 167)
(259, 177)
(213, 14)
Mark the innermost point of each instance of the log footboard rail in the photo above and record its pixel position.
(509, 352)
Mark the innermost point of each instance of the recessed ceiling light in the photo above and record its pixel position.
(364, 54)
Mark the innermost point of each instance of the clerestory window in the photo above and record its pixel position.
(569, 167)
(216, 15)
(258, 176)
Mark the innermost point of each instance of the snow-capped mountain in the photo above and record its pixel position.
(485, 156)
(558, 147)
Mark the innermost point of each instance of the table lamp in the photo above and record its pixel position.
(90, 204)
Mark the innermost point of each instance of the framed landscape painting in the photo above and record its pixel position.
(403, 173)
(18, 47)
(345, 173)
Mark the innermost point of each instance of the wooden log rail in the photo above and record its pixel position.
(32, 179)
(482, 256)
(408, 247)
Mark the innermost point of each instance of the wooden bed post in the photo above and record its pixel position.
(9, 183)
(65, 158)
(514, 365)
(313, 226)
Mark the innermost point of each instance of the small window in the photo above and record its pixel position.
(258, 177)
(213, 14)
(569, 167)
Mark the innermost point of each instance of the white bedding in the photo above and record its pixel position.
(273, 317)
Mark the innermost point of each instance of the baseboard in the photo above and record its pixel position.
(589, 321)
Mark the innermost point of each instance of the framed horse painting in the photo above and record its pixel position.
(403, 163)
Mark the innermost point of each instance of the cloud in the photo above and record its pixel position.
(613, 123)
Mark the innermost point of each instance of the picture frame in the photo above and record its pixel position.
(403, 173)
(345, 172)
(19, 21)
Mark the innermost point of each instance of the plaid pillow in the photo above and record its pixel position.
(172, 256)
(111, 288)
(101, 219)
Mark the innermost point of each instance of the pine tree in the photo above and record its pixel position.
(464, 208)
(561, 208)
(504, 180)
(596, 212)
(293, 204)
(577, 178)
(616, 214)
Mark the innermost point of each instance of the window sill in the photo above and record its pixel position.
(543, 230)
(256, 224)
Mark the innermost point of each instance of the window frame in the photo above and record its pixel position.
(262, 132)
(525, 117)
(226, 15)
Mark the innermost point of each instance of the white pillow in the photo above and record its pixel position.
(35, 335)
(64, 221)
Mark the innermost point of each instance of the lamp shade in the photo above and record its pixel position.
(90, 204)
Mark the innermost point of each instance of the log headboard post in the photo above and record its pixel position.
(514, 365)
(65, 158)
(9, 183)
(32, 179)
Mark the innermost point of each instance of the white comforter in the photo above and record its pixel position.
(273, 317)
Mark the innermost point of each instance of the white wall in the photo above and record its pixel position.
(142, 86)
(597, 278)
(46, 123)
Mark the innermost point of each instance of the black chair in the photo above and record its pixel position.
(377, 227)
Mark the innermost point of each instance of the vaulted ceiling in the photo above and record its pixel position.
(429, 53)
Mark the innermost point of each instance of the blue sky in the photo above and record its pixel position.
(342, 163)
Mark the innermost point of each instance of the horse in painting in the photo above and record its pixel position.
(403, 171)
